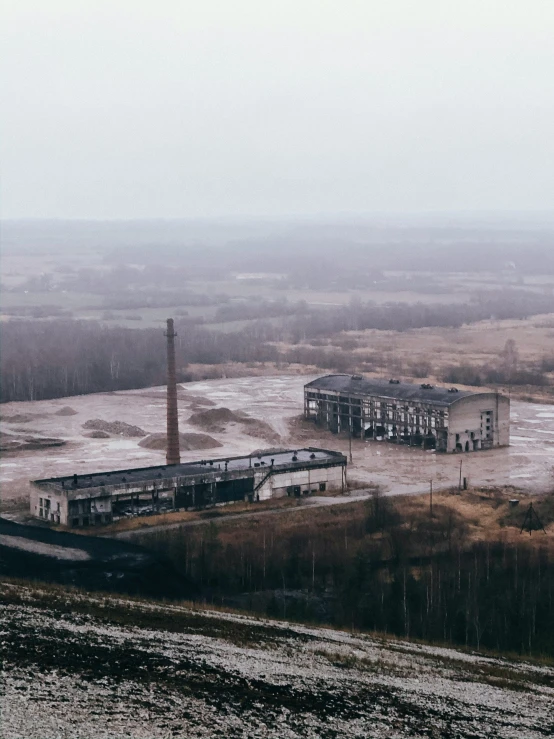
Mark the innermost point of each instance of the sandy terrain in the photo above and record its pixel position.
(528, 463)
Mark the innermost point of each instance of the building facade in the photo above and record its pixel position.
(445, 419)
(91, 500)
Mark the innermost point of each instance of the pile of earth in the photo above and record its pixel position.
(187, 442)
(216, 420)
(196, 399)
(19, 418)
(98, 435)
(13, 443)
(66, 411)
(114, 427)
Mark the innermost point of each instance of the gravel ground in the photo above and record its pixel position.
(104, 668)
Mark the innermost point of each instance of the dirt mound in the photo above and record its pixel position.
(187, 442)
(200, 400)
(98, 435)
(66, 411)
(114, 427)
(19, 418)
(216, 419)
(12, 443)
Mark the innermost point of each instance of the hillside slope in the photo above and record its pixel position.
(78, 665)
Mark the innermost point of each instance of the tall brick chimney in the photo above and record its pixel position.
(172, 454)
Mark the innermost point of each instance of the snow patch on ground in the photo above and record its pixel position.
(40, 547)
(211, 674)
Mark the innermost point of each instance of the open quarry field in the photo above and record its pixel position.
(120, 430)
(80, 665)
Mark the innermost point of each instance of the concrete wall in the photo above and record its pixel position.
(48, 506)
(93, 506)
(479, 422)
(280, 485)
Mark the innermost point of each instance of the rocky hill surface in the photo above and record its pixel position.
(90, 666)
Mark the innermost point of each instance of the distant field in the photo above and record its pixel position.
(61, 262)
(272, 291)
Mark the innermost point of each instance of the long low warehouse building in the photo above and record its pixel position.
(90, 500)
(445, 419)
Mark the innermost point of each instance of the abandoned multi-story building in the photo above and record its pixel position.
(91, 500)
(445, 419)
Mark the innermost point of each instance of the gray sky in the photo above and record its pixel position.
(130, 109)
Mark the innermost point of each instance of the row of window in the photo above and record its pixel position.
(313, 402)
(94, 520)
(297, 489)
(46, 503)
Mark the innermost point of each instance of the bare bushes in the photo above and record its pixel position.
(386, 565)
(467, 374)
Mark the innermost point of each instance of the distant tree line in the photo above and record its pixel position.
(56, 358)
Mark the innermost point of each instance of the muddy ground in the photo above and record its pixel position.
(528, 463)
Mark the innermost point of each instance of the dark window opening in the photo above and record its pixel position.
(74, 521)
(322, 487)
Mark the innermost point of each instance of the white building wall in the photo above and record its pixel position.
(277, 485)
(469, 428)
(48, 506)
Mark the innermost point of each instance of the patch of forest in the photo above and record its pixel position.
(386, 565)
(57, 358)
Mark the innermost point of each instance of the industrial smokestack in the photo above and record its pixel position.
(172, 455)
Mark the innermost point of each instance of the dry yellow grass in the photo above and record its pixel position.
(217, 513)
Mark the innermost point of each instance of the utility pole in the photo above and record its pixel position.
(528, 520)
(350, 442)
(431, 498)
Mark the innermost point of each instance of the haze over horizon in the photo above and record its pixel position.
(277, 109)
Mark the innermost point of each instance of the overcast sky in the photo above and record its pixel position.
(175, 108)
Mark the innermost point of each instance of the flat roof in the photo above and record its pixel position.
(358, 385)
(188, 469)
